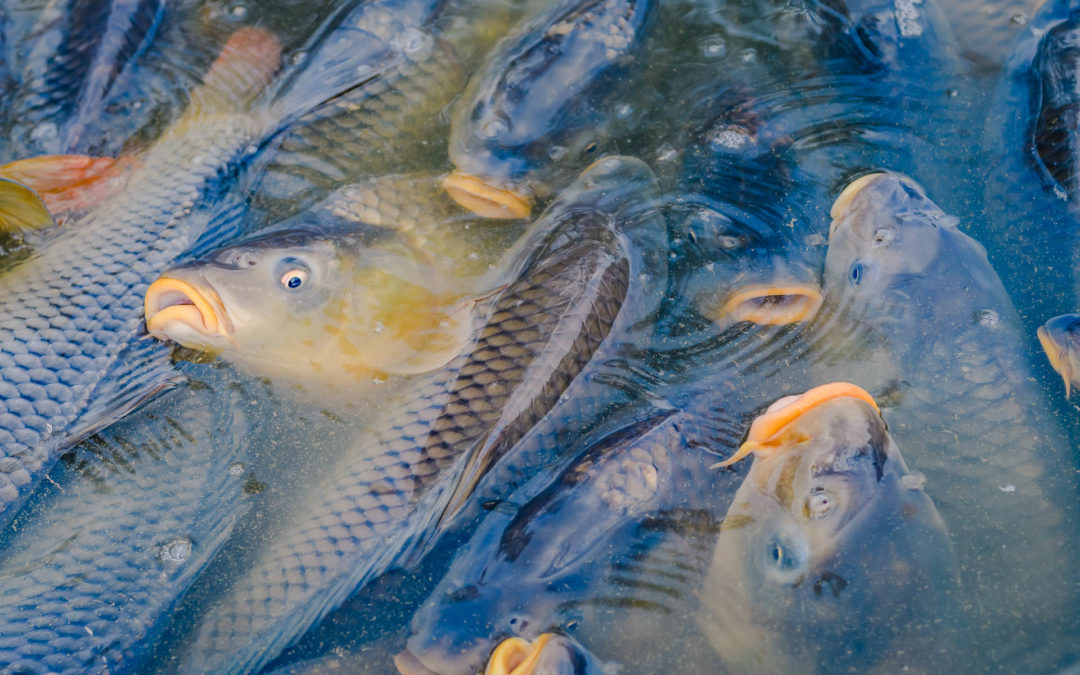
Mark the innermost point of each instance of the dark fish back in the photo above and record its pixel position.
(1056, 132)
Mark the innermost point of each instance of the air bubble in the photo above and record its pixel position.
(732, 138)
(987, 317)
(624, 110)
(236, 469)
(913, 481)
(666, 153)
(379, 327)
(238, 12)
(714, 48)
(748, 55)
(175, 551)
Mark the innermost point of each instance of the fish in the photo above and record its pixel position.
(830, 540)
(315, 306)
(412, 471)
(390, 123)
(1058, 340)
(582, 550)
(130, 519)
(72, 353)
(915, 312)
(1029, 189)
(537, 110)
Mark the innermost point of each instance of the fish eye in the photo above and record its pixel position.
(782, 556)
(861, 273)
(293, 274)
(294, 279)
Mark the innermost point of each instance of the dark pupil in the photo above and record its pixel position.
(777, 552)
(856, 272)
(294, 281)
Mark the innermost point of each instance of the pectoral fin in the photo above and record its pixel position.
(21, 209)
(68, 183)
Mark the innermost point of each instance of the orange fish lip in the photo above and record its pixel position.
(767, 431)
(516, 656)
(484, 199)
(847, 195)
(170, 299)
(1057, 357)
(773, 305)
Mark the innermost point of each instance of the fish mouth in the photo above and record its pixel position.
(485, 199)
(773, 305)
(847, 196)
(516, 656)
(769, 431)
(1056, 352)
(176, 310)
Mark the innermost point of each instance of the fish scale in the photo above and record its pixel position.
(539, 335)
(141, 510)
(67, 313)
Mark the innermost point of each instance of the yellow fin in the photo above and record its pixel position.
(21, 208)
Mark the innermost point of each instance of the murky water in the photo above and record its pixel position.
(752, 118)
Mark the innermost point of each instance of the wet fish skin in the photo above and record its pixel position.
(377, 127)
(915, 310)
(542, 566)
(829, 540)
(1059, 339)
(138, 513)
(1056, 69)
(400, 481)
(520, 104)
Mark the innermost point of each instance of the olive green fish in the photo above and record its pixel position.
(389, 495)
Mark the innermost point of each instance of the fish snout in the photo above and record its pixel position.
(486, 199)
(178, 310)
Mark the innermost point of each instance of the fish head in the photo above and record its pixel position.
(314, 306)
(830, 539)
(1060, 339)
(884, 231)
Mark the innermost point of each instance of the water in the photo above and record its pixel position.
(753, 117)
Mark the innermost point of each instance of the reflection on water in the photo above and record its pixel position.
(544, 401)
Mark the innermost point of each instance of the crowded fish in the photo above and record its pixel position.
(538, 336)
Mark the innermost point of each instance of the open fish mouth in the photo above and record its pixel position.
(485, 199)
(515, 656)
(769, 431)
(773, 305)
(176, 310)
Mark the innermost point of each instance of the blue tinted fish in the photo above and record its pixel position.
(92, 570)
(536, 111)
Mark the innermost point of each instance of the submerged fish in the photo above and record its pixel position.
(583, 551)
(914, 311)
(536, 111)
(341, 308)
(104, 554)
(388, 497)
(830, 541)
